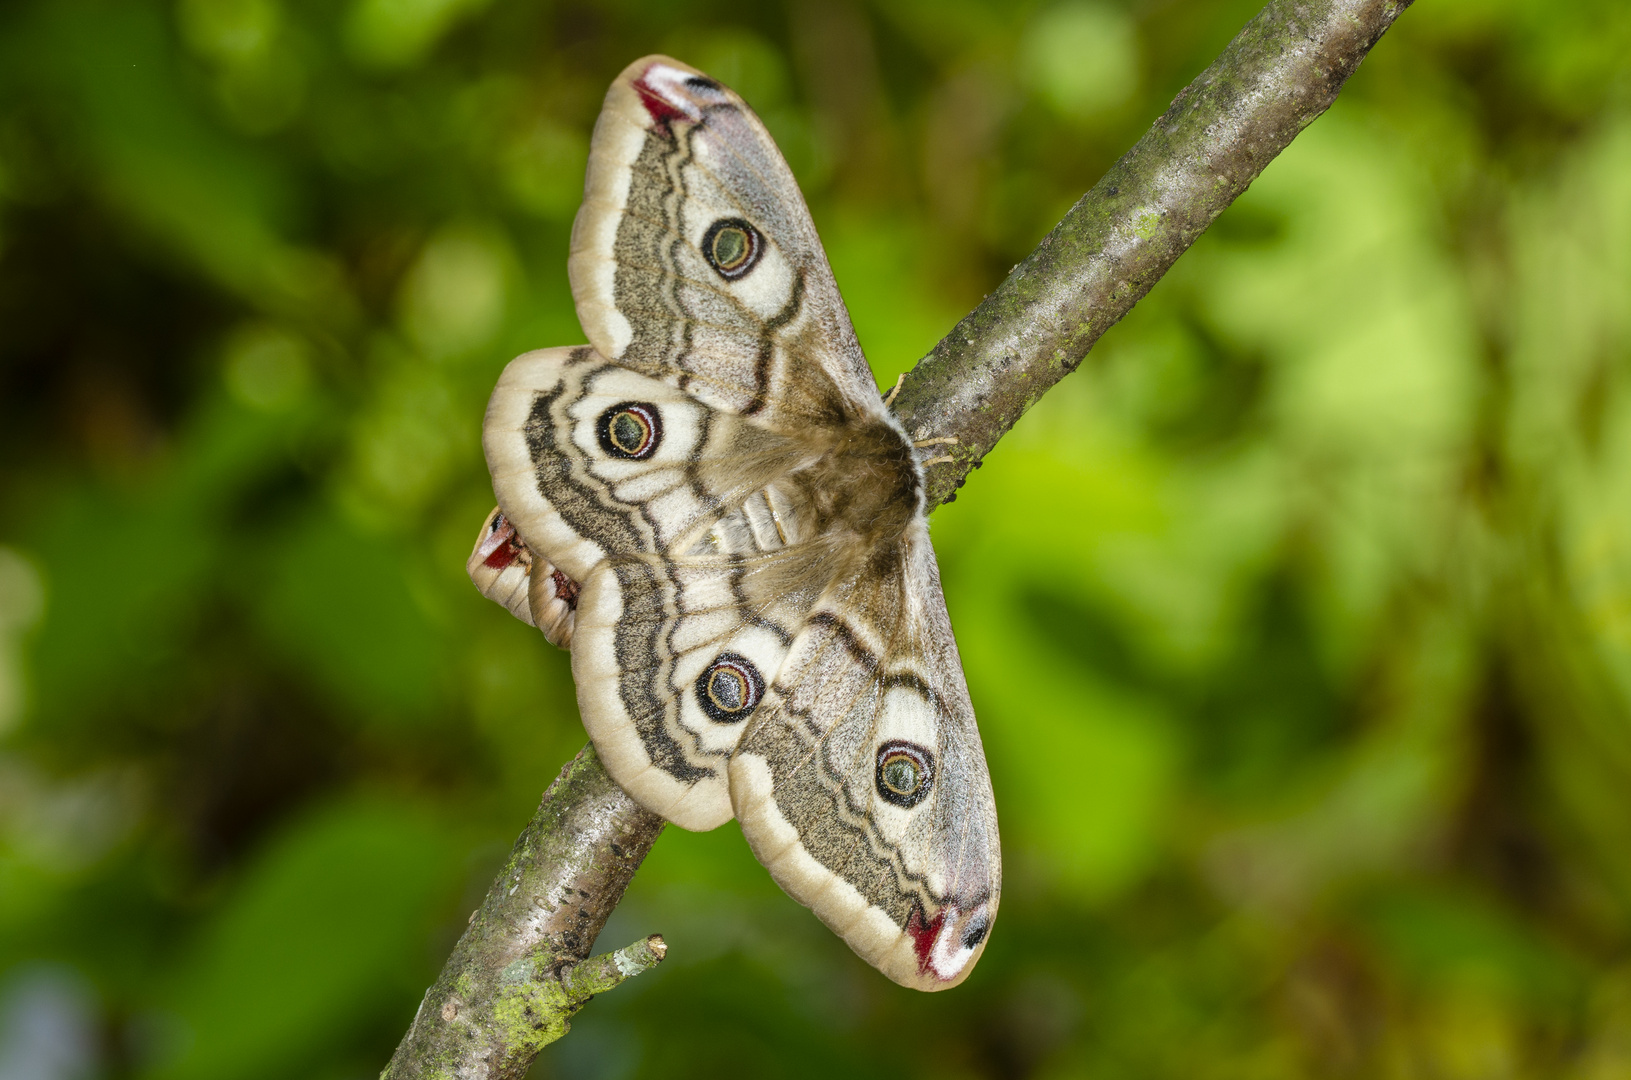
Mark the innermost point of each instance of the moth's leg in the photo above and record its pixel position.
(943, 458)
(889, 398)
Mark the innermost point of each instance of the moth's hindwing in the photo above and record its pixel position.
(658, 506)
(673, 660)
(590, 460)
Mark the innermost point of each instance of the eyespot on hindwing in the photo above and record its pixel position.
(729, 689)
(630, 430)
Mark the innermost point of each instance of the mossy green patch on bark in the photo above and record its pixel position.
(509, 987)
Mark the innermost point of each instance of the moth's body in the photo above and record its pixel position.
(866, 483)
(713, 507)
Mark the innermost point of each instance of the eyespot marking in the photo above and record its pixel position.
(729, 689)
(732, 247)
(630, 430)
(905, 773)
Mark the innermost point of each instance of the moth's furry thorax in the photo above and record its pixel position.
(867, 482)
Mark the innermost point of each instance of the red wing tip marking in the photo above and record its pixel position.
(566, 589)
(658, 106)
(946, 943)
(923, 935)
(658, 90)
(502, 557)
(501, 546)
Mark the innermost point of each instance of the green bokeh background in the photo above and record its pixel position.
(1298, 621)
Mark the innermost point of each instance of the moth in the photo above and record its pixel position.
(712, 507)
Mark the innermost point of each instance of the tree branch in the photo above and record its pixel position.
(1275, 78)
(520, 970)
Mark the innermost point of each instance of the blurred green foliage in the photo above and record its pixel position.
(1298, 621)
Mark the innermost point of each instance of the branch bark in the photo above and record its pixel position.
(1274, 79)
(521, 970)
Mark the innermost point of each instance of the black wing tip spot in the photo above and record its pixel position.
(976, 932)
(702, 82)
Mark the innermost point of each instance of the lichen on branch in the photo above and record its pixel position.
(522, 968)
